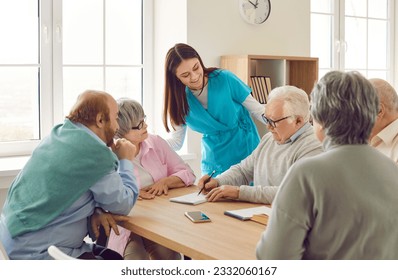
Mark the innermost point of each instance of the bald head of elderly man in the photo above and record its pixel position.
(384, 136)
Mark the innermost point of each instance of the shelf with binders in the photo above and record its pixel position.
(261, 87)
(298, 71)
(301, 72)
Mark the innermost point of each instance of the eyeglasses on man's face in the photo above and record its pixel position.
(272, 122)
(140, 125)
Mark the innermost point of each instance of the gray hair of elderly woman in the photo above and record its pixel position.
(346, 105)
(130, 114)
(296, 102)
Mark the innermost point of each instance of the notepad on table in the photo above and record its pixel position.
(192, 198)
(247, 213)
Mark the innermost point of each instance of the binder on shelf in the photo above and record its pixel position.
(261, 87)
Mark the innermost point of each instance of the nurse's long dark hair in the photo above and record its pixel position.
(175, 101)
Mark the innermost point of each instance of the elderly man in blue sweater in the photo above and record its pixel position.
(76, 169)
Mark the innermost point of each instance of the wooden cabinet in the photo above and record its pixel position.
(301, 72)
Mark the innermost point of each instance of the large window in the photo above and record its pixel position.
(52, 50)
(19, 70)
(353, 35)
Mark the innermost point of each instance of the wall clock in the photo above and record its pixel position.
(255, 11)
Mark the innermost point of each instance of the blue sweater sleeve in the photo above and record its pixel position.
(117, 191)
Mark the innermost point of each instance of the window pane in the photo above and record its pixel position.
(377, 74)
(78, 79)
(19, 32)
(364, 72)
(82, 32)
(377, 52)
(378, 9)
(321, 36)
(321, 6)
(366, 44)
(356, 38)
(355, 8)
(124, 82)
(323, 72)
(123, 32)
(19, 104)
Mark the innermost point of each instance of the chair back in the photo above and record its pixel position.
(57, 254)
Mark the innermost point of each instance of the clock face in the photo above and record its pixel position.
(255, 11)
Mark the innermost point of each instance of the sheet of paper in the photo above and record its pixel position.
(247, 213)
(192, 198)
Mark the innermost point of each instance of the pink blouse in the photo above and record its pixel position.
(160, 161)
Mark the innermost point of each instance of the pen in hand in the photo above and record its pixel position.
(206, 181)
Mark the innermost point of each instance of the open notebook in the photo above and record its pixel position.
(247, 213)
(192, 198)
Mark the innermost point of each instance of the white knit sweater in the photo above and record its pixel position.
(267, 165)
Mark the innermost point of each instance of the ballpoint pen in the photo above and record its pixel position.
(206, 181)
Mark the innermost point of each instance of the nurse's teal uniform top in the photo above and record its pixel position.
(229, 133)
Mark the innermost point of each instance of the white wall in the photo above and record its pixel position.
(170, 26)
(215, 28)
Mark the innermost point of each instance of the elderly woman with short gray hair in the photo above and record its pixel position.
(157, 168)
(341, 204)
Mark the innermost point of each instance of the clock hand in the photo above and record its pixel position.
(254, 5)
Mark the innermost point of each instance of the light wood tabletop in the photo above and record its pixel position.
(224, 238)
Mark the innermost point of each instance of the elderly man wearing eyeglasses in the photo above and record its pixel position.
(290, 138)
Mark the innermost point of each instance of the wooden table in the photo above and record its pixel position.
(225, 238)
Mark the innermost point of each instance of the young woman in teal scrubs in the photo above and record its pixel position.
(213, 102)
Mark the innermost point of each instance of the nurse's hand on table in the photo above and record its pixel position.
(224, 191)
(106, 220)
(211, 184)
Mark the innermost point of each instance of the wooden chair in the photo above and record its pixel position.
(57, 254)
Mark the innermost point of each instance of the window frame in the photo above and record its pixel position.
(339, 38)
(50, 66)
